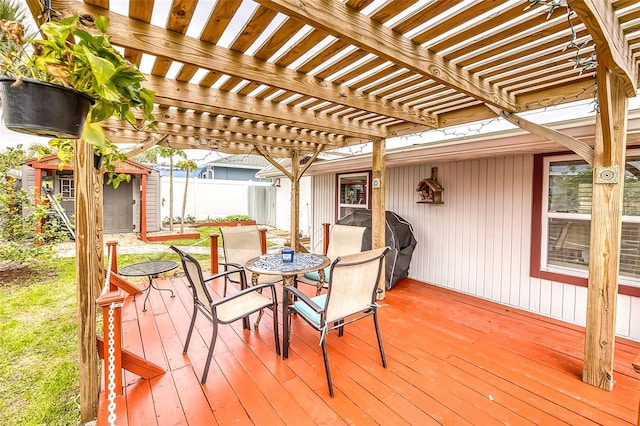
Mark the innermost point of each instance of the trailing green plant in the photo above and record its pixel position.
(73, 57)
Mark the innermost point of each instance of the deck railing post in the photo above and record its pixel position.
(111, 304)
(325, 237)
(636, 367)
(112, 249)
(213, 244)
(263, 240)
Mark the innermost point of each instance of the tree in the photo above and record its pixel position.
(167, 152)
(187, 166)
(149, 156)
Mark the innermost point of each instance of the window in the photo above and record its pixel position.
(566, 217)
(353, 193)
(67, 187)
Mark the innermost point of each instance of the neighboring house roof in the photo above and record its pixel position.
(255, 162)
(243, 161)
(53, 162)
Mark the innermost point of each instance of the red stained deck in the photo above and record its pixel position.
(452, 359)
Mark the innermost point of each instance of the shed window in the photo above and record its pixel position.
(67, 187)
(566, 217)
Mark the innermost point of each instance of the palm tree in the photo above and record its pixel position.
(150, 156)
(187, 166)
(167, 152)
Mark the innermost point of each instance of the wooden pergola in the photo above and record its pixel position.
(291, 79)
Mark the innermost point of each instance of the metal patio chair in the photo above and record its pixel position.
(239, 244)
(227, 309)
(343, 240)
(351, 296)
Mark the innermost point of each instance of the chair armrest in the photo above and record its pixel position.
(223, 274)
(235, 265)
(245, 291)
(306, 299)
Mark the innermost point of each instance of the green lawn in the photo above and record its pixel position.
(38, 347)
(38, 351)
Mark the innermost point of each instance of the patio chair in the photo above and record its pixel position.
(227, 309)
(351, 296)
(239, 244)
(343, 240)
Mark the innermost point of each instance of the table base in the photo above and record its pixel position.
(148, 290)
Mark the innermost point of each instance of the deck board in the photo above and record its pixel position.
(452, 359)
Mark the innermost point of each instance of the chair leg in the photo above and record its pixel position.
(375, 322)
(340, 329)
(275, 327)
(326, 367)
(212, 345)
(257, 324)
(193, 321)
(286, 326)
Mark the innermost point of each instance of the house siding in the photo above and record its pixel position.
(479, 241)
(153, 202)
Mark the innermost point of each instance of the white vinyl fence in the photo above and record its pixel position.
(209, 199)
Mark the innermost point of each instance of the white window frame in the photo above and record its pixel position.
(366, 192)
(546, 215)
(64, 182)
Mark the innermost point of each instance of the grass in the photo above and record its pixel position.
(38, 351)
(204, 239)
(39, 347)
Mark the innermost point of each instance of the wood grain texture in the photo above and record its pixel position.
(606, 223)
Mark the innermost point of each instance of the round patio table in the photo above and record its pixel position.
(272, 264)
(150, 269)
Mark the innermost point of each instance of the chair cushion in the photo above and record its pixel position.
(304, 309)
(315, 276)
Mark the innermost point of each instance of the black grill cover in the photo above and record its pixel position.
(398, 235)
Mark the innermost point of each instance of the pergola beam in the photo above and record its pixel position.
(149, 39)
(612, 47)
(373, 37)
(575, 145)
(227, 103)
(235, 125)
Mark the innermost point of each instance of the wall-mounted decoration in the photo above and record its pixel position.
(430, 190)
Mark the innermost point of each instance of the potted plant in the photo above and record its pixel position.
(89, 72)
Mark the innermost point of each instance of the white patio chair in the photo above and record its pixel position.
(343, 240)
(351, 296)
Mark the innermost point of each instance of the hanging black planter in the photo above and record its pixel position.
(43, 109)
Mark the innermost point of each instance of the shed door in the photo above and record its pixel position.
(118, 208)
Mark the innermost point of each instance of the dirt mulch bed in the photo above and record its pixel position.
(13, 272)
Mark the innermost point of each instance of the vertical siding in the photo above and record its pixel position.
(154, 201)
(323, 207)
(478, 241)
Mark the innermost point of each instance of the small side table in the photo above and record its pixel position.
(150, 269)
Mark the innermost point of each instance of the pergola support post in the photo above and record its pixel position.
(606, 225)
(89, 273)
(378, 216)
(295, 198)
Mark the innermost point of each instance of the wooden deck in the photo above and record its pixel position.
(452, 359)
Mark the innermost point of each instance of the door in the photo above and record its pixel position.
(118, 208)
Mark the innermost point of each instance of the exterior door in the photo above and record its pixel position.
(118, 208)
